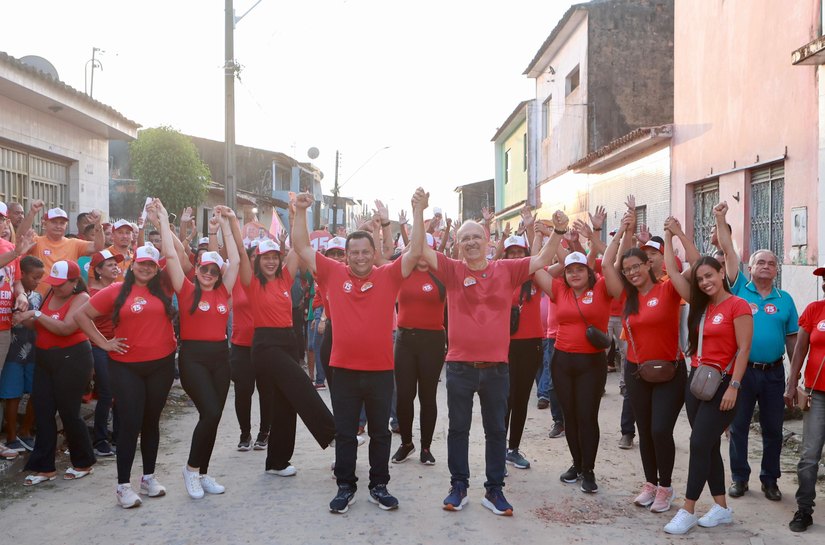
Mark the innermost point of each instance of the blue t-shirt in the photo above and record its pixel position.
(21, 349)
(774, 318)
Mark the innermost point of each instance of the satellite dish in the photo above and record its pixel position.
(41, 64)
(313, 153)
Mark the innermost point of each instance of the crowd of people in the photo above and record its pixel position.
(135, 305)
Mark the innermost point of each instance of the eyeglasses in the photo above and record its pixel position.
(207, 269)
(633, 269)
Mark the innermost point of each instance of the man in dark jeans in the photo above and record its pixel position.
(362, 354)
(478, 300)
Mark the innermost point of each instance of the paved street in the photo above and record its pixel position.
(258, 508)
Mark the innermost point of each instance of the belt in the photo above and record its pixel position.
(762, 366)
(481, 364)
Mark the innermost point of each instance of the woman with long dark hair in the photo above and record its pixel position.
(204, 352)
(268, 282)
(720, 328)
(63, 368)
(141, 364)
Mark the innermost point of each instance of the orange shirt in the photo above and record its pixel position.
(124, 265)
(50, 252)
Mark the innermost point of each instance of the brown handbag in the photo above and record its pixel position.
(655, 371)
(804, 395)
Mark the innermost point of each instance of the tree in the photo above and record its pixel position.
(167, 166)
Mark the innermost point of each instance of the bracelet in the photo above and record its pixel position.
(597, 228)
(385, 224)
(559, 232)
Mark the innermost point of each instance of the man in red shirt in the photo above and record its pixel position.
(362, 352)
(479, 297)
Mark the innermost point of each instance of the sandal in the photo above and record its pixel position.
(7, 453)
(32, 480)
(73, 474)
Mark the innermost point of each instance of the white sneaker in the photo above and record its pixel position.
(126, 497)
(149, 486)
(361, 440)
(646, 496)
(192, 481)
(211, 486)
(716, 516)
(288, 471)
(681, 523)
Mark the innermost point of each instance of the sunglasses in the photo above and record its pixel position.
(209, 269)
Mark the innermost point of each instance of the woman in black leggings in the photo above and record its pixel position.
(204, 353)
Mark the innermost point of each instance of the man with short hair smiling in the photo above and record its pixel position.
(479, 297)
(16, 214)
(362, 354)
(122, 233)
(53, 246)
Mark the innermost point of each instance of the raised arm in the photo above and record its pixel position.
(680, 282)
(528, 220)
(612, 278)
(420, 201)
(445, 235)
(100, 238)
(28, 221)
(725, 238)
(402, 224)
(226, 216)
(158, 215)
(545, 257)
(387, 248)
(300, 232)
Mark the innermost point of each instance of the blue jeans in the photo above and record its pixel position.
(493, 387)
(544, 381)
(766, 387)
(813, 438)
(314, 341)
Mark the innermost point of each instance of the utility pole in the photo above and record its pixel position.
(229, 120)
(335, 199)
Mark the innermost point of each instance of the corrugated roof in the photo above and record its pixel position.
(59, 85)
(632, 136)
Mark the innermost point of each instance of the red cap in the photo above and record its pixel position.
(62, 272)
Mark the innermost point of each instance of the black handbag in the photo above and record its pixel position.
(515, 314)
(595, 336)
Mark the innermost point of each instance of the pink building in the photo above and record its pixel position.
(746, 129)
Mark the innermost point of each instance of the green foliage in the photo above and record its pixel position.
(167, 166)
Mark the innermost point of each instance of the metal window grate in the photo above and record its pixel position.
(705, 197)
(767, 211)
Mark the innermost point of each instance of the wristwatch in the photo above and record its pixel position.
(735, 384)
(37, 314)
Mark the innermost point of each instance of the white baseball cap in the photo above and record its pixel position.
(4, 210)
(268, 245)
(209, 258)
(57, 213)
(515, 240)
(575, 258)
(203, 241)
(122, 223)
(148, 252)
(655, 245)
(430, 241)
(337, 243)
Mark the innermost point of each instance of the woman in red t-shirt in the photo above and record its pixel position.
(579, 369)
(204, 352)
(141, 364)
(63, 368)
(268, 283)
(720, 328)
(103, 271)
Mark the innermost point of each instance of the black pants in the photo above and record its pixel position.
(373, 390)
(326, 353)
(61, 376)
(707, 424)
(299, 326)
(656, 407)
(525, 361)
(141, 389)
(243, 377)
(419, 357)
(579, 382)
(204, 375)
(291, 394)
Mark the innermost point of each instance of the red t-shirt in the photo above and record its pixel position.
(363, 334)
(242, 325)
(719, 342)
(529, 323)
(103, 323)
(655, 328)
(272, 306)
(142, 322)
(317, 300)
(552, 325)
(594, 305)
(419, 303)
(813, 321)
(45, 339)
(208, 322)
(478, 307)
(8, 275)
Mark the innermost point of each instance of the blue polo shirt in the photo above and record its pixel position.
(774, 318)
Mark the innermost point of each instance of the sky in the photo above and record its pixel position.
(430, 80)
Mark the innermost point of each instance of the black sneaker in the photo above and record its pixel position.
(589, 482)
(103, 449)
(343, 499)
(245, 444)
(427, 457)
(801, 521)
(557, 431)
(402, 454)
(380, 496)
(571, 475)
(261, 442)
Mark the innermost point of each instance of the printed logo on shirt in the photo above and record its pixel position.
(533, 291)
(139, 301)
(588, 297)
(821, 325)
(427, 287)
(653, 302)
(204, 306)
(754, 308)
(55, 316)
(46, 251)
(717, 319)
(136, 308)
(366, 286)
(347, 286)
(286, 294)
(771, 309)
(222, 308)
(469, 281)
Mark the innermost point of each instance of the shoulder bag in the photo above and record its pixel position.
(707, 378)
(515, 313)
(805, 394)
(653, 370)
(595, 336)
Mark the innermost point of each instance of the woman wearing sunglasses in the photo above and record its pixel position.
(204, 352)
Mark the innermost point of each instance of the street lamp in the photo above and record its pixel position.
(337, 188)
(90, 90)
